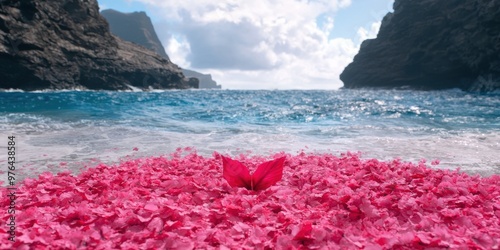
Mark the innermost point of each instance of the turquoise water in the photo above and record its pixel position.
(79, 128)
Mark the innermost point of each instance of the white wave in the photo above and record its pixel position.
(74, 147)
(11, 90)
(132, 89)
(76, 89)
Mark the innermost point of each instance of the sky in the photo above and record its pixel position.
(263, 44)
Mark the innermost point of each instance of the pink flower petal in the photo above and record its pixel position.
(321, 202)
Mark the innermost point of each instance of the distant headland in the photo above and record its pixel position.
(432, 44)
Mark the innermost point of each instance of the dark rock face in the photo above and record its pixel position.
(137, 27)
(432, 44)
(66, 44)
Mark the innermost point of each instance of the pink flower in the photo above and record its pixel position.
(266, 175)
(321, 202)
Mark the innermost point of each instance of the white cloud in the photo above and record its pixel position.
(260, 44)
(178, 50)
(364, 34)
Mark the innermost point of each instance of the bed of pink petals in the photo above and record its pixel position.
(323, 201)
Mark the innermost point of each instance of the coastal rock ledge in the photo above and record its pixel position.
(136, 27)
(432, 44)
(67, 45)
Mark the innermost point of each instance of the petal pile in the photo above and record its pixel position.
(323, 201)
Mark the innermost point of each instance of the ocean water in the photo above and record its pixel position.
(68, 130)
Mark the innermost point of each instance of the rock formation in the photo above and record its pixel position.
(432, 44)
(66, 44)
(206, 81)
(134, 27)
(137, 27)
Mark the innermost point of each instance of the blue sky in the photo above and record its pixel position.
(288, 44)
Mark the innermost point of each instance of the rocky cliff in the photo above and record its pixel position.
(432, 44)
(137, 27)
(134, 27)
(66, 44)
